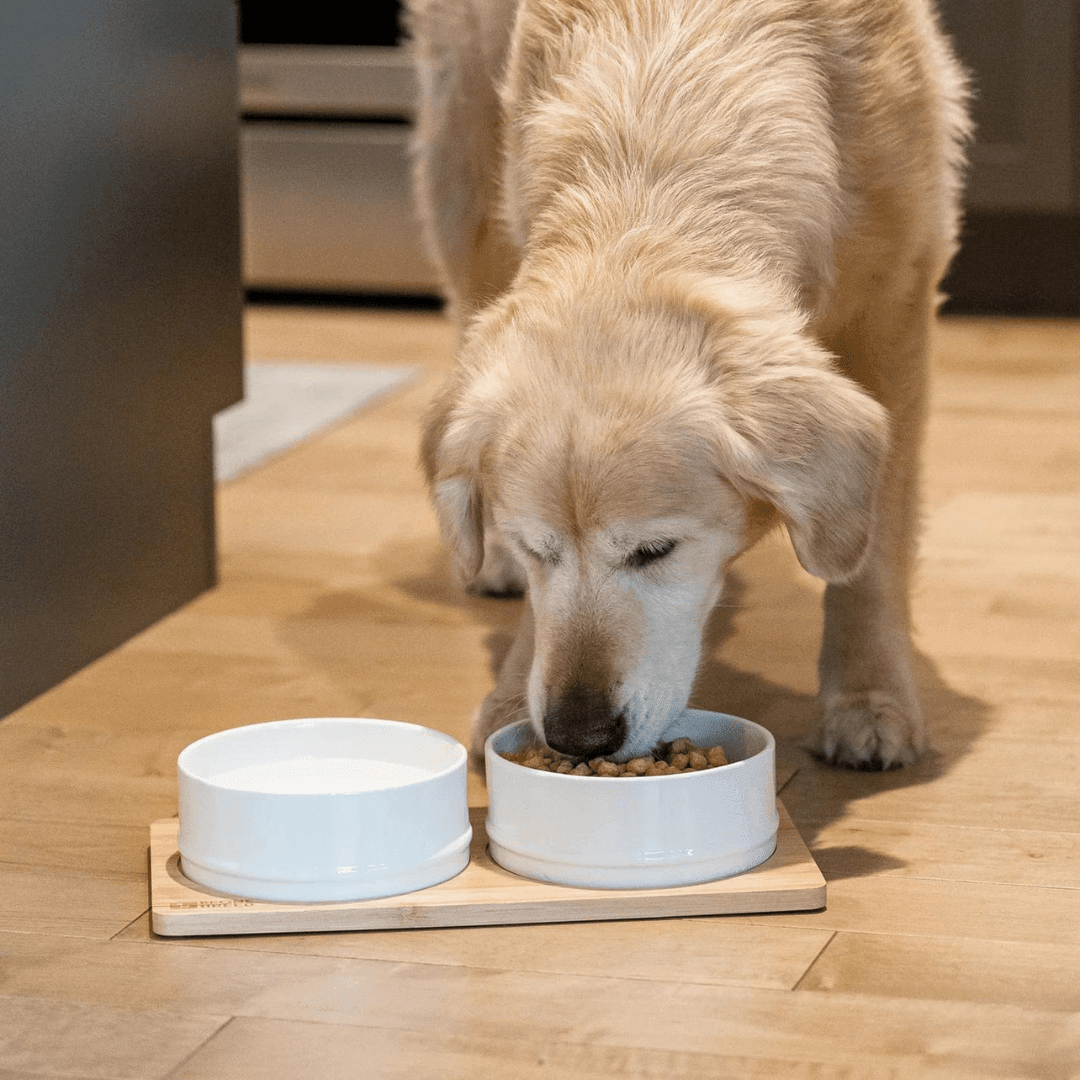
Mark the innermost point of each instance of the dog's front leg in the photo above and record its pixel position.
(501, 574)
(507, 701)
(872, 717)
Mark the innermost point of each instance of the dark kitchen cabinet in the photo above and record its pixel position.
(121, 310)
(1021, 243)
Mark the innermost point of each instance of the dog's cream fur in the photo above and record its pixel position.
(693, 248)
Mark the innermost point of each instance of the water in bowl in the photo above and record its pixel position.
(319, 776)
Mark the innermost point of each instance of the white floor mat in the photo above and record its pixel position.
(284, 404)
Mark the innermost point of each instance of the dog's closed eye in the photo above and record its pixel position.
(548, 554)
(646, 554)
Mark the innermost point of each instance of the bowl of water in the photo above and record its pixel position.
(325, 809)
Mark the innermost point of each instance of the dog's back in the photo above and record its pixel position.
(808, 136)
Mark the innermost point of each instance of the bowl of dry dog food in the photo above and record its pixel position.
(702, 807)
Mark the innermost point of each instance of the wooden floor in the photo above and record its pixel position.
(950, 947)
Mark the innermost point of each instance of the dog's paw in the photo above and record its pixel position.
(869, 731)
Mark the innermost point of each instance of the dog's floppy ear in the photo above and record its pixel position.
(794, 431)
(450, 454)
(812, 445)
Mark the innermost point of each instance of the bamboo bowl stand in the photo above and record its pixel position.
(483, 894)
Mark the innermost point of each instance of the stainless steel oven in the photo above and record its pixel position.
(326, 97)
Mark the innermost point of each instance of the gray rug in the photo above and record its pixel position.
(284, 404)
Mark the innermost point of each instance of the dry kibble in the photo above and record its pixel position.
(679, 756)
(715, 756)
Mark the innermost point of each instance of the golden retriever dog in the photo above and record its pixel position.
(693, 248)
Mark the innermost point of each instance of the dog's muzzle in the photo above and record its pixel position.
(582, 722)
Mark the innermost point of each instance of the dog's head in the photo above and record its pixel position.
(628, 459)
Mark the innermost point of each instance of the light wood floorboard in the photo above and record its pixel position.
(950, 947)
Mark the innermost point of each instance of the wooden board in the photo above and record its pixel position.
(483, 894)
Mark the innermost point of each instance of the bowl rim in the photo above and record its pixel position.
(185, 770)
(770, 743)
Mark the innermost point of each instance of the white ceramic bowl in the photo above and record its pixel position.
(636, 832)
(323, 809)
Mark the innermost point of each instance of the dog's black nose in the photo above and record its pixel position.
(582, 722)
